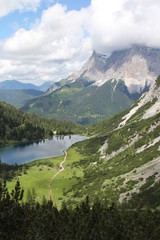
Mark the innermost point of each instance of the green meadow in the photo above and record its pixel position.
(37, 175)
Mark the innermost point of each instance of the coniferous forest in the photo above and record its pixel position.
(97, 221)
(18, 126)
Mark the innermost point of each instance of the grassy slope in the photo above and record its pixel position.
(38, 175)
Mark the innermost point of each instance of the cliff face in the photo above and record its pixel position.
(137, 67)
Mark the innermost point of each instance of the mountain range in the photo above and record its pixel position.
(104, 86)
(18, 93)
(16, 85)
(120, 162)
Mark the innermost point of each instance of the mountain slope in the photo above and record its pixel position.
(122, 163)
(18, 98)
(17, 126)
(83, 103)
(18, 93)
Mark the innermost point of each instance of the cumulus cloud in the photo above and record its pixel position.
(118, 24)
(61, 41)
(52, 49)
(7, 6)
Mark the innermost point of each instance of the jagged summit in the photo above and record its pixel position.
(92, 70)
(137, 67)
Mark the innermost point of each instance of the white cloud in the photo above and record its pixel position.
(60, 42)
(118, 24)
(53, 48)
(8, 6)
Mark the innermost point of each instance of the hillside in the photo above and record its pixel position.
(122, 163)
(18, 98)
(103, 87)
(18, 93)
(83, 103)
(18, 126)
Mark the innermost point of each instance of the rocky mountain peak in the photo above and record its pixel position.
(92, 70)
(137, 66)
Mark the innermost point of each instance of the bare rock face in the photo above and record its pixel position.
(152, 96)
(137, 67)
(93, 70)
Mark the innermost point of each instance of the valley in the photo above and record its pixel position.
(79, 120)
(119, 163)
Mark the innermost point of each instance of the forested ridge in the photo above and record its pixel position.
(85, 221)
(17, 126)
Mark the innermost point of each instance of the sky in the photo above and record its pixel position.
(47, 40)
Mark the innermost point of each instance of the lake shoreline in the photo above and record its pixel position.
(26, 152)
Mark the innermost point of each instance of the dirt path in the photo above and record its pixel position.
(61, 168)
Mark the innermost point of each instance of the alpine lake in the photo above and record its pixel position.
(30, 151)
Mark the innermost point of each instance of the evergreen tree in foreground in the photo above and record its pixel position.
(88, 222)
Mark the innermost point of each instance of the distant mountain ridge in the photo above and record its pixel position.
(18, 93)
(18, 98)
(17, 85)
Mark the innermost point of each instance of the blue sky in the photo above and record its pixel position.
(41, 40)
(24, 19)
